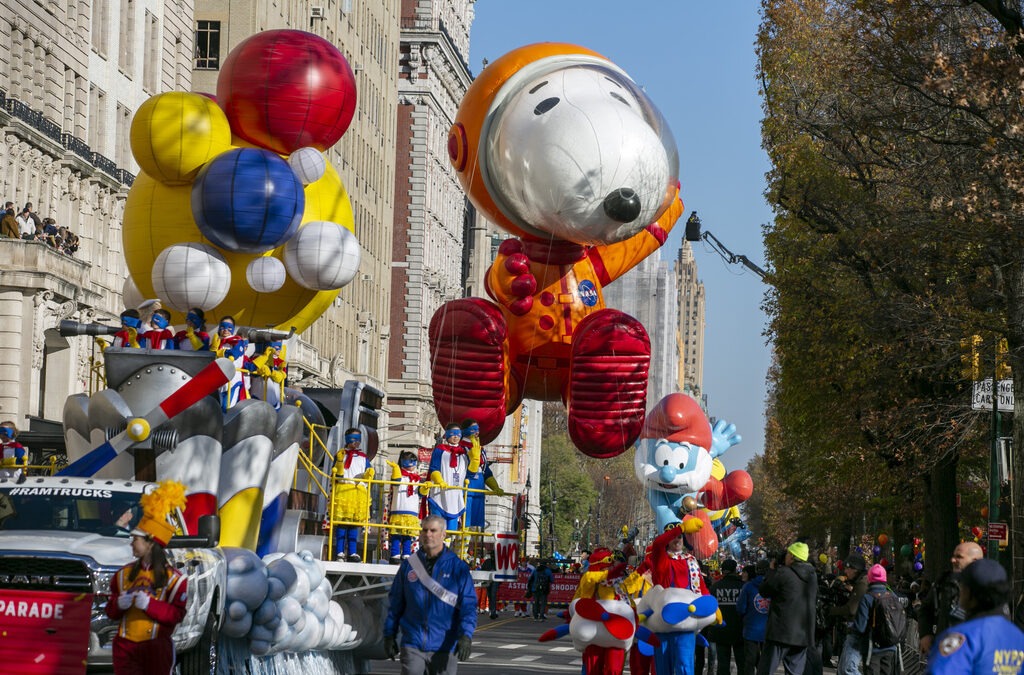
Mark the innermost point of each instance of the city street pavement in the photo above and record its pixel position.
(508, 646)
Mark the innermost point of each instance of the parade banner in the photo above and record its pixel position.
(563, 587)
(43, 632)
(506, 553)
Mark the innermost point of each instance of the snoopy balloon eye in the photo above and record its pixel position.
(555, 160)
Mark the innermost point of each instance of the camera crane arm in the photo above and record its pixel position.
(693, 233)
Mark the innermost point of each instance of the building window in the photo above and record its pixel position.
(208, 45)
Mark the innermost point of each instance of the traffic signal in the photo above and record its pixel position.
(1003, 369)
(970, 358)
(360, 409)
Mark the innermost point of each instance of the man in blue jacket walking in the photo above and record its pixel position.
(433, 603)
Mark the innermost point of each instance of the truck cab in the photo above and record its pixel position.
(61, 541)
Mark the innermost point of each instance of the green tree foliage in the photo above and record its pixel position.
(565, 490)
(894, 131)
(601, 494)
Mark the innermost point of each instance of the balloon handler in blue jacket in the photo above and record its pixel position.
(433, 603)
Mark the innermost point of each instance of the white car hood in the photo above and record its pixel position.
(106, 551)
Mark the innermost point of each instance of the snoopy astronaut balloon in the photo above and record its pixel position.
(559, 147)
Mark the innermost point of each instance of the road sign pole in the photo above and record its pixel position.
(993, 485)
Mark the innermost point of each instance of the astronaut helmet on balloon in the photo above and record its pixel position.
(555, 161)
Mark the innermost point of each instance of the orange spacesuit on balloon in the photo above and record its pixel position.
(560, 148)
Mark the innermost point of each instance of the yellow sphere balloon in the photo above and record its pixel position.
(822, 558)
(174, 134)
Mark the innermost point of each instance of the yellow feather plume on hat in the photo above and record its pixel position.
(157, 505)
(168, 495)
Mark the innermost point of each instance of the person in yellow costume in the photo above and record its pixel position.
(406, 506)
(269, 372)
(351, 499)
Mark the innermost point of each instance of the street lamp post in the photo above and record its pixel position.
(551, 528)
(590, 518)
(604, 484)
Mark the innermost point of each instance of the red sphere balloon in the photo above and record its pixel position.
(883, 539)
(287, 89)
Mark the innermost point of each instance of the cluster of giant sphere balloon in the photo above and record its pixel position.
(236, 208)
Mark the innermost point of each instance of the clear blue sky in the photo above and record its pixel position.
(697, 62)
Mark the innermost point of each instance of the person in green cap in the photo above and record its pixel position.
(793, 590)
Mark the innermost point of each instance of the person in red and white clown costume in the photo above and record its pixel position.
(602, 620)
(148, 596)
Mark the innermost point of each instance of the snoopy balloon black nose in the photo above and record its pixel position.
(622, 205)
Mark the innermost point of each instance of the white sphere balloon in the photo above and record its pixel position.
(322, 256)
(130, 294)
(265, 274)
(308, 164)
(191, 275)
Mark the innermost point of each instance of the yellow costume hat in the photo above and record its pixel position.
(156, 507)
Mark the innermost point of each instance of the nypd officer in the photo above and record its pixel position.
(987, 642)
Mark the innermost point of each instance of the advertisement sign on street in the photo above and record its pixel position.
(506, 554)
(998, 531)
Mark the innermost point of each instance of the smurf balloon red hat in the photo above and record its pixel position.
(678, 418)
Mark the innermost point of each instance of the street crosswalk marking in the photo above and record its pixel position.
(526, 658)
(562, 649)
(576, 662)
(511, 645)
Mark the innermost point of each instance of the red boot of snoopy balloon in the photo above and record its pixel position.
(560, 148)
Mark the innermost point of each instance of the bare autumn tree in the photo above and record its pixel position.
(894, 132)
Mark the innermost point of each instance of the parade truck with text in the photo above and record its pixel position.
(61, 541)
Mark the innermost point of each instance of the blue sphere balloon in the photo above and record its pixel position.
(248, 200)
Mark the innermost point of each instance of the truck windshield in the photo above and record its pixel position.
(77, 509)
